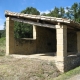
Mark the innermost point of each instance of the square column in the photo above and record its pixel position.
(34, 32)
(78, 42)
(61, 46)
(9, 36)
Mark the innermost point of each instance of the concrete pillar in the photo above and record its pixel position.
(61, 46)
(9, 36)
(34, 32)
(78, 42)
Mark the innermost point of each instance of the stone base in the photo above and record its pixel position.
(70, 62)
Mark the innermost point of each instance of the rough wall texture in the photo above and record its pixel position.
(46, 40)
(25, 46)
(68, 63)
(72, 62)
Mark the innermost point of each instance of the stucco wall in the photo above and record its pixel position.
(46, 40)
(25, 46)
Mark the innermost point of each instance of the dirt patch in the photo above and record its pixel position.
(27, 69)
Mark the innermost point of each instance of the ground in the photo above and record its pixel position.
(27, 69)
(31, 68)
(76, 77)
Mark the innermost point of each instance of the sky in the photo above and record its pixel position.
(44, 6)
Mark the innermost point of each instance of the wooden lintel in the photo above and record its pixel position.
(34, 23)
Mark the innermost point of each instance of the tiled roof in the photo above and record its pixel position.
(43, 18)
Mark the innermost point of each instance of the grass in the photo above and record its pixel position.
(68, 74)
(26, 69)
(2, 46)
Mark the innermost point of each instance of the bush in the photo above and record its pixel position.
(2, 46)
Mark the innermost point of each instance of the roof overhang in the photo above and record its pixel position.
(39, 20)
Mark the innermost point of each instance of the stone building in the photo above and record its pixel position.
(50, 34)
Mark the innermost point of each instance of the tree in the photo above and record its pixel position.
(74, 9)
(31, 10)
(3, 34)
(61, 12)
(54, 13)
(57, 12)
(68, 13)
(74, 12)
(22, 30)
(0, 35)
(43, 14)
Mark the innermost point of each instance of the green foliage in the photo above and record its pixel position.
(30, 10)
(74, 12)
(57, 12)
(23, 30)
(2, 33)
(2, 46)
(68, 13)
(44, 14)
(68, 74)
(62, 12)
